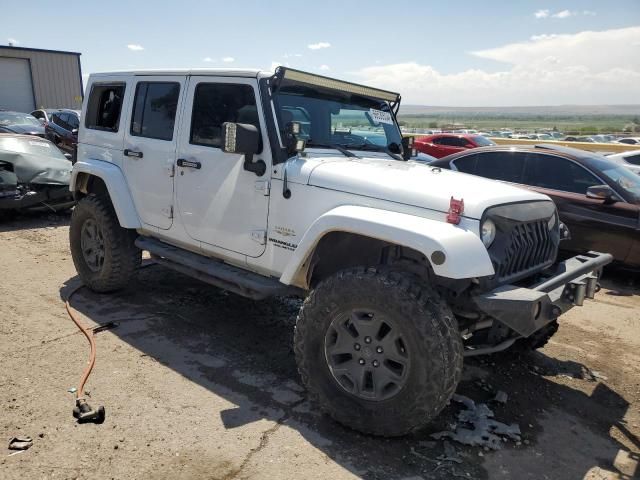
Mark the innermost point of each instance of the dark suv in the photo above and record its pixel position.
(61, 126)
(597, 199)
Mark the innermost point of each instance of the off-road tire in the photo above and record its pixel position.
(121, 256)
(434, 345)
(538, 339)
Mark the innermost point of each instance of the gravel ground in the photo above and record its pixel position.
(198, 383)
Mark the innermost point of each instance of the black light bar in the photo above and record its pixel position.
(322, 81)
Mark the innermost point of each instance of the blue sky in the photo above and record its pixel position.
(438, 53)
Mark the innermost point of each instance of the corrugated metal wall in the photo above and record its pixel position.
(56, 77)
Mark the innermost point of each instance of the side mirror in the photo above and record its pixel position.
(74, 131)
(601, 192)
(408, 150)
(243, 139)
(68, 156)
(291, 141)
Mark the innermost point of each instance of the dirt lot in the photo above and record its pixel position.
(199, 383)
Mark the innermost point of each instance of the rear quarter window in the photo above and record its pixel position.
(105, 107)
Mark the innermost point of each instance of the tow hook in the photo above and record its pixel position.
(86, 414)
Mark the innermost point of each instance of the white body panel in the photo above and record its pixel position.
(465, 254)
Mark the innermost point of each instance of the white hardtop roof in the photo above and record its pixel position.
(226, 72)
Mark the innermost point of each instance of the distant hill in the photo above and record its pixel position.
(546, 111)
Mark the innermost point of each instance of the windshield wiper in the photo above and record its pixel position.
(376, 148)
(340, 148)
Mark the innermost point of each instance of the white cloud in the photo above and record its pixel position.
(13, 41)
(324, 68)
(319, 45)
(228, 59)
(135, 47)
(562, 14)
(583, 68)
(292, 55)
(546, 13)
(207, 59)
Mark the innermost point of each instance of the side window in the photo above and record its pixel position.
(548, 171)
(506, 166)
(104, 107)
(217, 103)
(633, 159)
(38, 114)
(453, 141)
(154, 110)
(73, 121)
(63, 121)
(54, 118)
(466, 164)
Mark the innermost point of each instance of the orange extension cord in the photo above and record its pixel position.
(83, 412)
(73, 313)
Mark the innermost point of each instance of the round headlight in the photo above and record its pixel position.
(488, 233)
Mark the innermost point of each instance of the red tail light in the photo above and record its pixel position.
(456, 209)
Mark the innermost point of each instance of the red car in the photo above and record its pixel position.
(442, 144)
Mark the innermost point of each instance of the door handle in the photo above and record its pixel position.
(188, 164)
(131, 153)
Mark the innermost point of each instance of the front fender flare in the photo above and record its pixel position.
(117, 187)
(465, 256)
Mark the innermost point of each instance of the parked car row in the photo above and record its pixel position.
(59, 125)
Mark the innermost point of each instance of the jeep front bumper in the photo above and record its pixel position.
(526, 309)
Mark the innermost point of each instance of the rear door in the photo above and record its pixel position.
(150, 141)
(594, 225)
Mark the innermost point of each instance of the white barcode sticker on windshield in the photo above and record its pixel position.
(378, 116)
(39, 144)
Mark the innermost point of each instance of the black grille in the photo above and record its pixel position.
(529, 247)
(524, 242)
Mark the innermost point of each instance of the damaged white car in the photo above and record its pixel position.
(34, 175)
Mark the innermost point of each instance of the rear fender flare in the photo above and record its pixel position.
(117, 187)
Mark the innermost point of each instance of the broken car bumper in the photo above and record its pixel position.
(527, 309)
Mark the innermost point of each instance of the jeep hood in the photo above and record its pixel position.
(416, 184)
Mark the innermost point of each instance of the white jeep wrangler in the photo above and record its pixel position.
(296, 184)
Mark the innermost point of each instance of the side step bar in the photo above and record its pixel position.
(215, 272)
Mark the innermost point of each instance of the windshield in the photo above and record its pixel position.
(34, 146)
(11, 118)
(619, 175)
(332, 117)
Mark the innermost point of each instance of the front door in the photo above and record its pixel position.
(593, 224)
(150, 146)
(220, 203)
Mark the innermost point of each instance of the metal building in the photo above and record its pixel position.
(33, 78)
